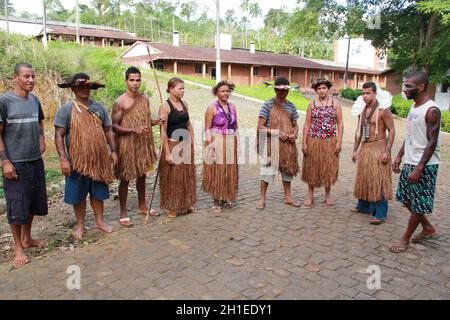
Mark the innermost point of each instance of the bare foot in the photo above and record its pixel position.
(104, 227)
(261, 205)
(78, 233)
(399, 247)
(34, 243)
(354, 210)
(20, 258)
(289, 202)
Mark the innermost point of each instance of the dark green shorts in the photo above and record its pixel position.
(420, 197)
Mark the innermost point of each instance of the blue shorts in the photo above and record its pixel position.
(78, 187)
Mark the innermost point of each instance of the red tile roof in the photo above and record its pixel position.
(91, 32)
(239, 56)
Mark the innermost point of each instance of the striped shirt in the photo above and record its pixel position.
(267, 107)
(21, 117)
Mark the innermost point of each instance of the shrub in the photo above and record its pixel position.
(401, 106)
(445, 121)
(351, 94)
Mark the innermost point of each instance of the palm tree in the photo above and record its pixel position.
(255, 10)
(230, 19)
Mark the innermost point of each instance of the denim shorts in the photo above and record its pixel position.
(78, 187)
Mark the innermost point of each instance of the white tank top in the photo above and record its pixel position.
(416, 136)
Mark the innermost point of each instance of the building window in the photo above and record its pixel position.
(199, 68)
(245, 67)
(255, 71)
(341, 76)
(183, 64)
(276, 72)
(159, 66)
(111, 42)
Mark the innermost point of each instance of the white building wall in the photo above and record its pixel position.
(27, 29)
(361, 52)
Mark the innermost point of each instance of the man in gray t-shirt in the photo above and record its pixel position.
(22, 143)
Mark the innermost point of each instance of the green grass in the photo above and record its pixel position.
(259, 91)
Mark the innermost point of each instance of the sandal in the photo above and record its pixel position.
(217, 209)
(126, 223)
(226, 204)
(376, 221)
(153, 213)
(308, 203)
(422, 237)
(296, 204)
(172, 214)
(329, 202)
(398, 248)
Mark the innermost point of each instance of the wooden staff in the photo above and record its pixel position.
(152, 65)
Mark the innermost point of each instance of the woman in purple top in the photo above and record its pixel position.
(220, 169)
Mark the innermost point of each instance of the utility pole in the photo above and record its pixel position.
(218, 63)
(346, 65)
(6, 16)
(44, 37)
(77, 20)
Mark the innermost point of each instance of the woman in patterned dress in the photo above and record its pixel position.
(322, 142)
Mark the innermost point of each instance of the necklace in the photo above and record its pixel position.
(227, 114)
(326, 104)
(366, 127)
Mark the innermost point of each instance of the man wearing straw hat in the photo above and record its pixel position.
(372, 152)
(81, 129)
(132, 124)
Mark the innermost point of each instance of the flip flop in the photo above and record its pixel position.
(260, 207)
(330, 203)
(154, 213)
(375, 221)
(126, 223)
(398, 248)
(422, 237)
(217, 209)
(226, 204)
(172, 214)
(308, 204)
(296, 204)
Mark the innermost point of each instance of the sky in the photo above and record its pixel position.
(35, 6)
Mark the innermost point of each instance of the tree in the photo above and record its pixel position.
(56, 11)
(11, 10)
(230, 19)
(277, 20)
(415, 33)
(188, 9)
(255, 10)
